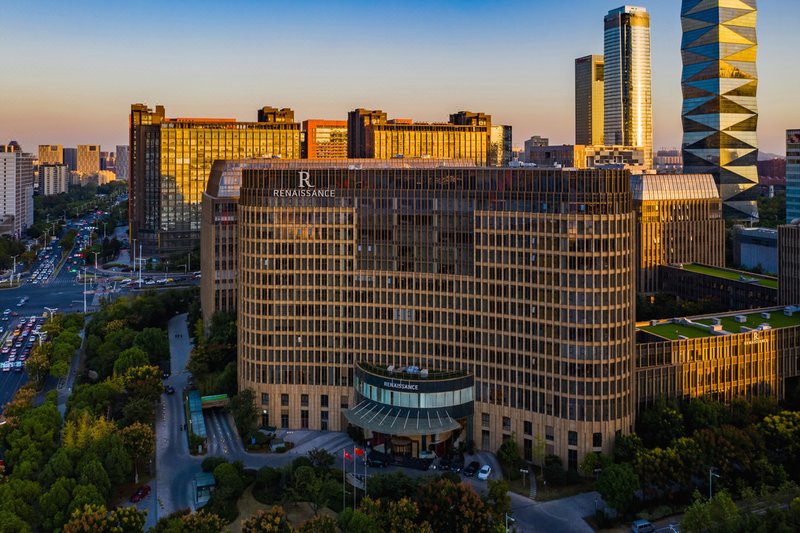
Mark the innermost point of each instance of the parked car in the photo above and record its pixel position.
(471, 468)
(427, 454)
(374, 462)
(642, 526)
(484, 472)
(457, 465)
(169, 389)
(140, 494)
(444, 464)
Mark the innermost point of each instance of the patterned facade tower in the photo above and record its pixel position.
(719, 98)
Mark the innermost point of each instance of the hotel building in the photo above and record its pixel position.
(628, 109)
(589, 101)
(445, 302)
(719, 85)
(679, 220)
(170, 160)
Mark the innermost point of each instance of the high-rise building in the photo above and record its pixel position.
(71, 159)
(53, 179)
(792, 175)
(628, 109)
(500, 139)
(719, 85)
(51, 154)
(349, 301)
(371, 135)
(535, 141)
(325, 139)
(678, 220)
(789, 264)
(668, 161)
(88, 158)
(170, 159)
(589, 101)
(16, 189)
(122, 162)
(580, 156)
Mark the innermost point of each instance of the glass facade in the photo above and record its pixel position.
(589, 79)
(627, 80)
(792, 175)
(325, 139)
(521, 278)
(719, 85)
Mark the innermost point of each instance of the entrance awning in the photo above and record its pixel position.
(391, 420)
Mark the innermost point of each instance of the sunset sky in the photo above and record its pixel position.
(70, 70)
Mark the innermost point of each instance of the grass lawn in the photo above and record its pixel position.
(776, 320)
(671, 331)
(727, 274)
(545, 494)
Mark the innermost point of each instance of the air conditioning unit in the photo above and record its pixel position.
(741, 319)
(765, 315)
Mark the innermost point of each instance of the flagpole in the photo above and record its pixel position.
(344, 483)
(355, 471)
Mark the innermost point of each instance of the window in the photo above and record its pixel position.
(344, 403)
(597, 440)
(323, 400)
(485, 420)
(572, 438)
(304, 400)
(285, 420)
(527, 427)
(323, 420)
(572, 460)
(284, 400)
(506, 423)
(264, 398)
(304, 419)
(548, 433)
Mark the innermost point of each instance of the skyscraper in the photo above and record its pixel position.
(589, 100)
(719, 98)
(88, 158)
(170, 159)
(16, 189)
(71, 158)
(792, 175)
(51, 153)
(628, 109)
(53, 179)
(121, 166)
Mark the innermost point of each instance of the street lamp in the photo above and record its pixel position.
(51, 312)
(41, 335)
(711, 476)
(14, 270)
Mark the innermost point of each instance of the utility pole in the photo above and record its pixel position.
(84, 291)
(140, 265)
(14, 271)
(711, 476)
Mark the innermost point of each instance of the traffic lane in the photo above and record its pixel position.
(10, 382)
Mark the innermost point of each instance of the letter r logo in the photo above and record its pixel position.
(305, 179)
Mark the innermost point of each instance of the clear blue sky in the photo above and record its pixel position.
(71, 69)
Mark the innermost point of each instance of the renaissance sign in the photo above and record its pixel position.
(304, 189)
(401, 386)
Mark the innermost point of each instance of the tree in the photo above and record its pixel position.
(321, 458)
(660, 424)
(272, 521)
(497, 499)
(139, 441)
(54, 503)
(718, 514)
(617, 485)
(245, 413)
(267, 486)
(202, 522)
(356, 521)
(85, 429)
(38, 367)
(97, 519)
(154, 343)
(447, 506)
(144, 382)
(317, 489)
(592, 462)
(702, 413)
(319, 524)
(130, 358)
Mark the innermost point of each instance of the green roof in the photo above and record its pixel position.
(754, 319)
(734, 275)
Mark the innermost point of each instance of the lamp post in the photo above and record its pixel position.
(711, 476)
(104, 230)
(84, 290)
(51, 312)
(140, 265)
(41, 335)
(14, 270)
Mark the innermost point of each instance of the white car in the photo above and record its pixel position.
(484, 472)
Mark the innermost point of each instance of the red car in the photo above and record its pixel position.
(140, 494)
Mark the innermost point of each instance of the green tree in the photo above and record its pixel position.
(627, 447)
(617, 485)
(356, 521)
(154, 342)
(97, 519)
(245, 413)
(12, 523)
(497, 499)
(272, 521)
(320, 524)
(720, 514)
(660, 424)
(130, 358)
(510, 458)
(267, 485)
(592, 462)
(144, 382)
(321, 458)
(54, 504)
(139, 441)
(92, 472)
(316, 489)
(448, 506)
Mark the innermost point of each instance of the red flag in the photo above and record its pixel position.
(359, 451)
(347, 455)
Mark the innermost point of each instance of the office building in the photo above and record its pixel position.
(88, 159)
(71, 159)
(122, 163)
(579, 156)
(628, 110)
(500, 139)
(170, 160)
(668, 161)
(535, 141)
(589, 100)
(789, 264)
(756, 248)
(719, 84)
(722, 356)
(511, 289)
(325, 139)
(678, 220)
(728, 288)
(51, 154)
(53, 179)
(372, 136)
(792, 175)
(16, 189)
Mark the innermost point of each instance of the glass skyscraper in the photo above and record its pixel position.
(792, 175)
(627, 75)
(589, 100)
(719, 98)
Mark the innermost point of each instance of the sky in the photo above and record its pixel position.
(70, 70)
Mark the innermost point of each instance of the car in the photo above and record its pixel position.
(165, 374)
(169, 389)
(18, 366)
(471, 468)
(444, 464)
(457, 465)
(427, 454)
(642, 526)
(6, 366)
(375, 462)
(484, 472)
